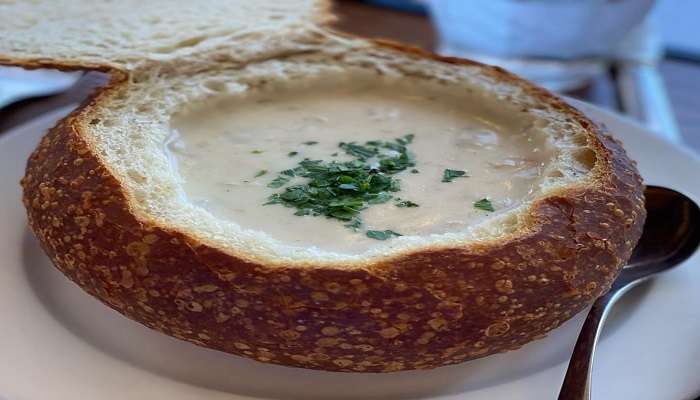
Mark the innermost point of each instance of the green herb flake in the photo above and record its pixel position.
(348, 186)
(449, 174)
(354, 224)
(406, 139)
(382, 235)
(405, 203)
(288, 172)
(310, 142)
(484, 204)
(279, 182)
(414, 171)
(379, 198)
(257, 152)
(260, 173)
(359, 151)
(292, 153)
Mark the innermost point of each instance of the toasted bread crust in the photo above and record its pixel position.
(418, 310)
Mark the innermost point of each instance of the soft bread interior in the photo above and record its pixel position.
(131, 32)
(129, 128)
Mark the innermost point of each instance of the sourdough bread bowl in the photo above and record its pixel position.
(109, 209)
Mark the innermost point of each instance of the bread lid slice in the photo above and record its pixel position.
(128, 33)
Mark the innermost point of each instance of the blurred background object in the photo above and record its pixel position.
(560, 45)
(563, 45)
(640, 57)
(18, 84)
(75, 87)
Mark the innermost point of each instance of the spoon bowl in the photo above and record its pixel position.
(671, 235)
(671, 231)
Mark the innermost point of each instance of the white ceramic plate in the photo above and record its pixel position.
(56, 342)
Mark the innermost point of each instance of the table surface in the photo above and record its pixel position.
(682, 78)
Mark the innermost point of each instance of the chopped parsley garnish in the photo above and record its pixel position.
(414, 171)
(292, 153)
(405, 203)
(310, 142)
(257, 151)
(382, 235)
(260, 173)
(341, 190)
(449, 174)
(484, 204)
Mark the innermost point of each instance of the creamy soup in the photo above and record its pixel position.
(229, 153)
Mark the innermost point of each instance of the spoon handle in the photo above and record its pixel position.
(577, 383)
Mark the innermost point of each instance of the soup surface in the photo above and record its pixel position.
(454, 163)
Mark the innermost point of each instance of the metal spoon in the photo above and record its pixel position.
(671, 235)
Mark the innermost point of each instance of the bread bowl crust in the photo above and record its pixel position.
(416, 310)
